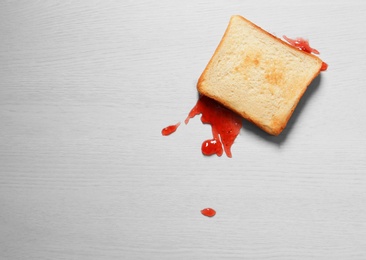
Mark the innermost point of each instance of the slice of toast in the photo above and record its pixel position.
(257, 75)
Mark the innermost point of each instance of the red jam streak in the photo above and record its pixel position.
(225, 125)
(303, 45)
(169, 129)
(208, 212)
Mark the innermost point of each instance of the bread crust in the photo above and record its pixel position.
(277, 125)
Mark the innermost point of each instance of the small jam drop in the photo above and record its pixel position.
(225, 125)
(301, 44)
(208, 212)
(324, 66)
(169, 129)
(211, 147)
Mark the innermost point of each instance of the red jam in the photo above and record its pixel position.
(170, 129)
(225, 125)
(208, 212)
(301, 44)
(211, 147)
(324, 66)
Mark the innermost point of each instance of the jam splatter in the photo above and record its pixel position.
(304, 45)
(225, 125)
(208, 212)
(170, 129)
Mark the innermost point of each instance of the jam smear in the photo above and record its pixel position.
(301, 44)
(225, 125)
(208, 212)
(170, 129)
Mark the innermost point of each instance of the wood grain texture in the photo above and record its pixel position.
(85, 89)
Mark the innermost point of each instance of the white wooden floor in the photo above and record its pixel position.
(87, 86)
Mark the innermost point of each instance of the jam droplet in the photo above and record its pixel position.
(324, 66)
(211, 147)
(208, 212)
(225, 125)
(169, 129)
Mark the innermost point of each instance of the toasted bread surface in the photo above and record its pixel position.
(258, 75)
